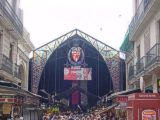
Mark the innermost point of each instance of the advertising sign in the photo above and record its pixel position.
(74, 73)
(148, 115)
(7, 108)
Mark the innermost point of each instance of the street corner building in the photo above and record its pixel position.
(15, 46)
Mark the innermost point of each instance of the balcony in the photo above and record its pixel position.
(7, 65)
(13, 24)
(140, 65)
(7, 11)
(132, 71)
(149, 62)
(145, 11)
(153, 55)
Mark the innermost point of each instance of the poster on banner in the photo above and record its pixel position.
(74, 73)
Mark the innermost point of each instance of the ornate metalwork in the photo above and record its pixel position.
(41, 55)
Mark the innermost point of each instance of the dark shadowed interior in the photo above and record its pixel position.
(52, 77)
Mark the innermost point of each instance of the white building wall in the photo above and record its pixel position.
(157, 18)
(152, 25)
(153, 36)
(19, 42)
(15, 5)
(153, 32)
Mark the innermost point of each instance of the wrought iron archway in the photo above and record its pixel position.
(41, 55)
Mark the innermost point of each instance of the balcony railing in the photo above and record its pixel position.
(137, 19)
(151, 58)
(153, 55)
(8, 11)
(8, 66)
(140, 65)
(131, 73)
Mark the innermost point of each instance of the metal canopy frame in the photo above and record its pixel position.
(46, 50)
(41, 54)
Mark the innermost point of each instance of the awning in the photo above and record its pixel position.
(126, 92)
(112, 106)
(108, 108)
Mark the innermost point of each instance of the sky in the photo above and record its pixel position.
(105, 20)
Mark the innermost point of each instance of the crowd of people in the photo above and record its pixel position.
(100, 113)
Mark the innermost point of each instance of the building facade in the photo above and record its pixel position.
(142, 59)
(15, 46)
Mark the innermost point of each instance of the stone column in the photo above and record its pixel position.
(154, 83)
(142, 84)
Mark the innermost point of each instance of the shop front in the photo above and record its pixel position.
(143, 106)
(10, 106)
(120, 109)
(31, 108)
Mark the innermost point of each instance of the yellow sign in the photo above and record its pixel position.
(54, 109)
(7, 108)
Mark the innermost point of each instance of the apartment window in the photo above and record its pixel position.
(11, 52)
(147, 40)
(138, 52)
(21, 72)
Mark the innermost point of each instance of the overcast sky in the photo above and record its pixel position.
(106, 20)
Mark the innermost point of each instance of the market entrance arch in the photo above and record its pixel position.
(51, 59)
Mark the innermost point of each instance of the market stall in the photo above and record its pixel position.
(143, 106)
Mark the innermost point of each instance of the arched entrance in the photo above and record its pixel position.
(52, 78)
(49, 62)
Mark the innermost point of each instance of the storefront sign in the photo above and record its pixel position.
(148, 115)
(131, 97)
(7, 108)
(6, 96)
(122, 99)
(148, 96)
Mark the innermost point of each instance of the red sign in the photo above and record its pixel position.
(75, 73)
(11, 100)
(122, 99)
(76, 54)
(146, 96)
